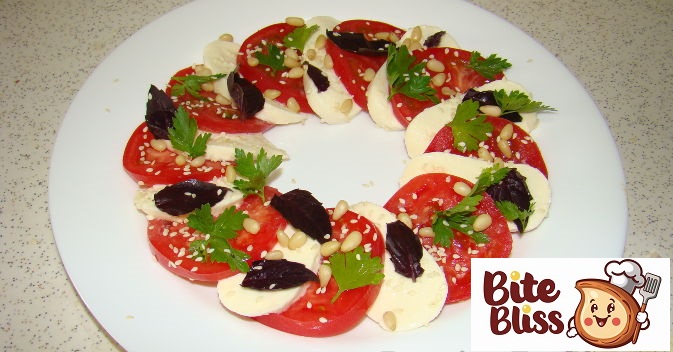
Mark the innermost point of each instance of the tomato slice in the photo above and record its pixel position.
(314, 314)
(169, 241)
(262, 75)
(459, 78)
(350, 67)
(523, 148)
(149, 166)
(212, 116)
(427, 194)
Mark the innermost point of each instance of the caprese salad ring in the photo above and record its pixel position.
(203, 165)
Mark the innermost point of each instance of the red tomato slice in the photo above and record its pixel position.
(350, 67)
(459, 78)
(523, 148)
(427, 194)
(314, 314)
(212, 116)
(169, 242)
(149, 166)
(263, 76)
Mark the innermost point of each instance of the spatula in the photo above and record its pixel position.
(648, 290)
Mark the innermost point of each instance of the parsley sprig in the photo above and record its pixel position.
(517, 101)
(255, 170)
(183, 134)
(354, 269)
(460, 217)
(469, 127)
(298, 37)
(406, 78)
(192, 84)
(512, 213)
(215, 246)
(488, 67)
(273, 57)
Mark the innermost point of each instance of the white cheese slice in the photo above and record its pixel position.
(327, 104)
(222, 146)
(278, 114)
(144, 201)
(220, 57)
(378, 105)
(426, 31)
(251, 302)
(414, 304)
(470, 168)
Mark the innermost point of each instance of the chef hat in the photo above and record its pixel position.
(626, 274)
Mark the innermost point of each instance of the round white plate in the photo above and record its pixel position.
(101, 237)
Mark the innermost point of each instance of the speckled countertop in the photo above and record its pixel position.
(621, 51)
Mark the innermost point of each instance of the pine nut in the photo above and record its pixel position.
(503, 145)
(434, 65)
(294, 21)
(346, 106)
(324, 274)
(282, 238)
(320, 41)
(180, 160)
(221, 99)
(252, 61)
(226, 37)
(198, 161)
(271, 94)
(491, 110)
(328, 62)
(448, 91)
(426, 232)
(296, 72)
(201, 70)
(405, 219)
(412, 44)
(393, 37)
(438, 79)
(351, 241)
(462, 188)
(507, 132)
(293, 105)
(482, 222)
(158, 144)
(291, 63)
(274, 255)
(297, 240)
(498, 161)
(311, 54)
(416, 33)
(230, 173)
(382, 35)
(339, 210)
(369, 74)
(291, 53)
(390, 320)
(251, 225)
(484, 154)
(330, 247)
(208, 86)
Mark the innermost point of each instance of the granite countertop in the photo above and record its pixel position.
(621, 51)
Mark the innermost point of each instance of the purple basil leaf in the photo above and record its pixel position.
(357, 43)
(434, 40)
(304, 212)
(319, 79)
(249, 99)
(186, 196)
(405, 250)
(159, 113)
(512, 188)
(277, 274)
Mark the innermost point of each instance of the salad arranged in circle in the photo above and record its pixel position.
(474, 178)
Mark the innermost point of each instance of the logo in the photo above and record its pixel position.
(570, 304)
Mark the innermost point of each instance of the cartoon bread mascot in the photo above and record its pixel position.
(608, 315)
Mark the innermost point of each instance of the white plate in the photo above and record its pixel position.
(101, 238)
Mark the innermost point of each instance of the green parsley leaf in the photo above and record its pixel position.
(273, 58)
(518, 101)
(183, 134)
(488, 67)
(297, 39)
(512, 213)
(255, 170)
(216, 247)
(192, 84)
(458, 218)
(355, 269)
(469, 127)
(406, 78)
(489, 177)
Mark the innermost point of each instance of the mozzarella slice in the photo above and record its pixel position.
(220, 57)
(413, 304)
(330, 104)
(144, 201)
(278, 114)
(470, 168)
(251, 303)
(426, 31)
(222, 146)
(423, 128)
(378, 105)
